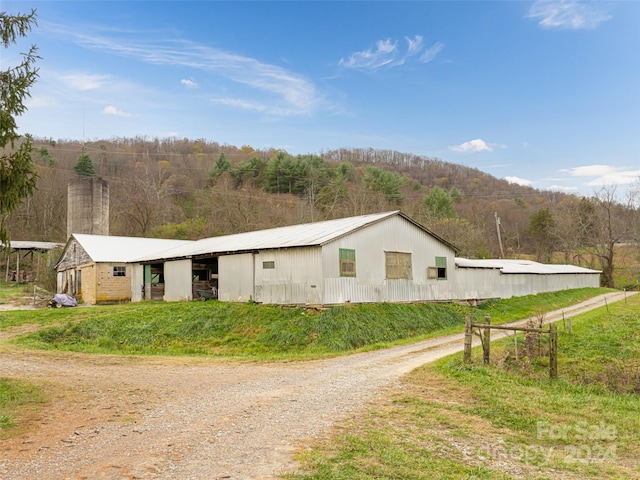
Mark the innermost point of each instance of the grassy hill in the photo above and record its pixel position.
(452, 421)
(262, 331)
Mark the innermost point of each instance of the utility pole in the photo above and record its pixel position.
(499, 237)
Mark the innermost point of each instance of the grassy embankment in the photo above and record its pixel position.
(261, 331)
(507, 420)
(247, 331)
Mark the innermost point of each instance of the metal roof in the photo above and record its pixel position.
(512, 266)
(28, 245)
(107, 248)
(304, 235)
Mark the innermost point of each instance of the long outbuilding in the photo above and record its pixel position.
(384, 257)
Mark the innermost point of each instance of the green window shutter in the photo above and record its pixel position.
(347, 254)
(147, 274)
(441, 266)
(347, 262)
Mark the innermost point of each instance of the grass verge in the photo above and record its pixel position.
(261, 331)
(451, 421)
(17, 398)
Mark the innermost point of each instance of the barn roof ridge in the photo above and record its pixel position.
(291, 236)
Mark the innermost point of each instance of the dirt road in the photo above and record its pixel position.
(130, 417)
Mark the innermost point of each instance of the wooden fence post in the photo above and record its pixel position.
(468, 338)
(553, 351)
(486, 342)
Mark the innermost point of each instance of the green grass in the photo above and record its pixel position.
(15, 396)
(452, 420)
(12, 291)
(259, 331)
(224, 329)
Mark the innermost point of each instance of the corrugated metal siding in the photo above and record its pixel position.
(477, 284)
(137, 282)
(484, 283)
(177, 281)
(235, 278)
(370, 284)
(296, 278)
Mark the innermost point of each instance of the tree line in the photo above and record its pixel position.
(195, 188)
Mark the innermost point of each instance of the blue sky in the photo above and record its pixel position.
(545, 94)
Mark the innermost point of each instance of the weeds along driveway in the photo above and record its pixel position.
(174, 418)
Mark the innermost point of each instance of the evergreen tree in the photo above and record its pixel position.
(438, 204)
(222, 165)
(17, 172)
(84, 166)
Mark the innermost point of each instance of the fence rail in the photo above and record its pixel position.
(485, 340)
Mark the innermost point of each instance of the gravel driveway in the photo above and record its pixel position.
(117, 417)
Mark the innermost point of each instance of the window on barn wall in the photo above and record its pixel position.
(119, 271)
(439, 272)
(269, 265)
(398, 265)
(347, 262)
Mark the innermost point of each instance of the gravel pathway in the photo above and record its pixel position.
(175, 418)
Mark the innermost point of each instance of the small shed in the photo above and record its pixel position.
(23, 269)
(97, 269)
(384, 257)
(505, 278)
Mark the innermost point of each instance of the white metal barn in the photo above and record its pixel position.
(484, 279)
(384, 257)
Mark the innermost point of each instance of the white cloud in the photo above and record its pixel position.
(519, 181)
(472, 146)
(605, 174)
(387, 54)
(240, 103)
(188, 83)
(414, 45)
(568, 14)
(431, 53)
(287, 92)
(562, 188)
(83, 82)
(111, 110)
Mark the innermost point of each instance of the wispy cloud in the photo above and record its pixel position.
(188, 83)
(431, 52)
(387, 53)
(519, 181)
(83, 82)
(111, 110)
(605, 174)
(568, 14)
(414, 45)
(241, 103)
(472, 146)
(563, 188)
(288, 91)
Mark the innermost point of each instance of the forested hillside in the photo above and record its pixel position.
(194, 188)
